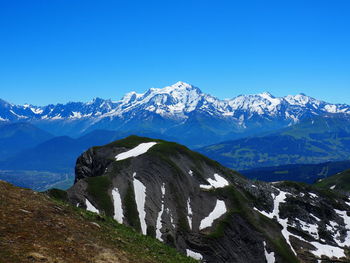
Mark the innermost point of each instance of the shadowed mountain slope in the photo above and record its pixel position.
(207, 211)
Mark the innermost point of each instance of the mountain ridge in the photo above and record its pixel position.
(16, 137)
(173, 110)
(207, 211)
(183, 93)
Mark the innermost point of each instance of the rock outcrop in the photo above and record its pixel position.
(207, 211)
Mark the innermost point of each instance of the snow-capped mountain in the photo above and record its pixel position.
(180, 109)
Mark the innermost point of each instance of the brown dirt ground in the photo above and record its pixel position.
(34, 228)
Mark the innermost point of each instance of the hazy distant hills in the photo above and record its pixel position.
(50, 163)
(181, 111)
(246, 132)
(59, 153)
(15, 137)
(307, 173)
(315, 140)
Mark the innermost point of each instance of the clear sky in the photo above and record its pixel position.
(70, 50)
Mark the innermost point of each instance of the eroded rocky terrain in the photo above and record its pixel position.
(207, 211)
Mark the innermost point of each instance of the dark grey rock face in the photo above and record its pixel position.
(208, 211)
(89, 165)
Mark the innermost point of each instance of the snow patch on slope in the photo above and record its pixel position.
(90, 207)
(270, 257)
(138, 150)
(159, 218)
(36, 110)
(171, 217)
(320, 249)
(312, 229)
(326, 250)
(346, 219)
(219, 210)
(118, 209)
(218, 182)
(189, 213)
(140, 198)
(195, 255)
(280, 198)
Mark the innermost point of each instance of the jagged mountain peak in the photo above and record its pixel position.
(179, 91)
(180, 86)
(299, 98)
(130, 97)
(96, 100)
(266, 94)
(4, 103)
(179, 109)
(170, 101)
(302, 99)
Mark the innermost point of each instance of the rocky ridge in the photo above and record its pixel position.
(207, 211)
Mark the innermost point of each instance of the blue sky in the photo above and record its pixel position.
(64, 50)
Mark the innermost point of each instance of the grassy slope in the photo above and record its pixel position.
(35, 227)
(311, 141)
(162, 149)
(98, 186)
(341, 181)
(307, 173)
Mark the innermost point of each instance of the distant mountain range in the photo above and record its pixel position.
(59, 154)
(246, 132)
(16, 137)
(32, 158)
(181, 111)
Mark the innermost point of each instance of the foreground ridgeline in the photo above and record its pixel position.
(209, 212)
(36, 228)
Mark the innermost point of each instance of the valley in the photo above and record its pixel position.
(174, 131)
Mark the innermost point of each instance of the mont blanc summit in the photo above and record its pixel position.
(181, 111)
